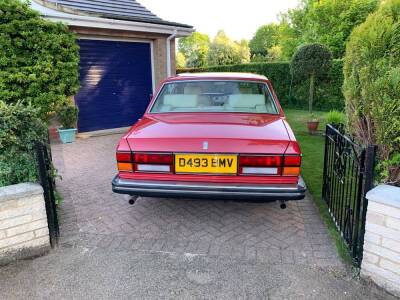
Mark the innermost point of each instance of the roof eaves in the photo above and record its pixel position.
(83, 20)
(83, 12)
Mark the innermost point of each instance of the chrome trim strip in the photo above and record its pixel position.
(186, 186)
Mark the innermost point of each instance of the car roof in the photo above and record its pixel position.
(220, 75)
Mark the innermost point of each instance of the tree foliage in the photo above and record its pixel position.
(266, 37)
(372, 86)
(180, 60)
(38, 59)
(327, 22)
(224, 51)
(312, 61)
(330, 22)
(195, 49)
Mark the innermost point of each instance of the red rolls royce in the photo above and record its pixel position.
(211, 135)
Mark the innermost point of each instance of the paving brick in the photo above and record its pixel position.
(93, 215)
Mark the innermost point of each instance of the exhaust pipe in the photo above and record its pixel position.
(133, 199)
(283, 204)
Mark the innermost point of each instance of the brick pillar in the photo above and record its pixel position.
(381, 259)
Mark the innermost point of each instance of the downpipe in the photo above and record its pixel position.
(169, 67)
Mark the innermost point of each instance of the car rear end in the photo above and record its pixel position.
(224, 152)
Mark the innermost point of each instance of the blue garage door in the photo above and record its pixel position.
(116, 83)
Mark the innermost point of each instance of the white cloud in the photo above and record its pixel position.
(239, 19)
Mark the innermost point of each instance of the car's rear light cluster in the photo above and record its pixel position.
(144, 162)
(270, 165)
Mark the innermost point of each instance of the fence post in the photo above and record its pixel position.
(48, 194)
(324, 181)
(369, 167)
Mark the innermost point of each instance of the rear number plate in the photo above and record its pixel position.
(206, 163)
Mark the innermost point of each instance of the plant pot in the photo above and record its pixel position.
(312, 126)
(67, 135)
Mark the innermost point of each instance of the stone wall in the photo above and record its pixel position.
(381, 262)
(23, 222)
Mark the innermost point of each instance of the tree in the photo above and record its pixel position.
(244, 51)
(312, 61)
(266, 37)
(180, 60)
(372, 86)
(224, 51)
(39, 59)
(195, 49)
(289, 39)
(330, 22)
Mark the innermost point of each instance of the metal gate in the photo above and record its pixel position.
(45, 170)
(348, 176)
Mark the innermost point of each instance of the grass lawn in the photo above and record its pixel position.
(312, 147)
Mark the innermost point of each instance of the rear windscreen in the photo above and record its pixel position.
(215, 96)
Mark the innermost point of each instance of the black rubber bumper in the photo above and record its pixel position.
(174, 189)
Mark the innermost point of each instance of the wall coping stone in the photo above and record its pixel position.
(21, 190)
(385, 194)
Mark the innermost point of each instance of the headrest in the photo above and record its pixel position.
(192, 90)
(181, 100)
(246, 100)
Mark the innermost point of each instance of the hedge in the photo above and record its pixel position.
(20, 127)
(291, 92)
(372, 87)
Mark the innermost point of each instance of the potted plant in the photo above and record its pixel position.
(312, 124)
(68, 116)
(335, 118)
(311, 61)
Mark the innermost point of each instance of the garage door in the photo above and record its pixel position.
(116, 83)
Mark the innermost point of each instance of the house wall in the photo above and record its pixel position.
(159, 46)
(23, 222)
(381, 258)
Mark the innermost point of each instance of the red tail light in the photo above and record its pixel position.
(260, 164)
(293, 160)
(144, 158)
(291, 165)
(144, 162)
(260, 161)
(124, 157)
(270, 165)
(124, 161)
(153, 162)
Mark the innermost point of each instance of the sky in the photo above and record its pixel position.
(239, 19)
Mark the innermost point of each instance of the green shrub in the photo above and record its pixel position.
(335, 117)
(372, 86)
(292, 93)
(311, 61)
(38, 59)
(20, 129)
(68, 116)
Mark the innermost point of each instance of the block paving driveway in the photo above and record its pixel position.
(92, 215)
(177, 248)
